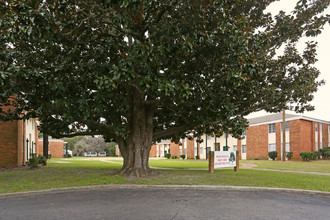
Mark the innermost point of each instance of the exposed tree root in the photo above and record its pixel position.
(137, 172)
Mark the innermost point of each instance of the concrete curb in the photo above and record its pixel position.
(174, 187)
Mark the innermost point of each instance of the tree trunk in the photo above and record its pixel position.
(136, 147)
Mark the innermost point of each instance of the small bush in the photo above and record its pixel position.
(316, 155)
(175, 157)
(168, 156)
(183, 156)
(307, 156)
(67, 156)
(325, 153)
(197, 157)
(33, 161)
(42, 160)
(289, 155)
(272, 155)
(49, 156)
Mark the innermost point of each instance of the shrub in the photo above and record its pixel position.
(175, 157)
(307, 156)
(49, 156)
(42, 160)
(197, 157)
(316, 155)
(67, 156)
(183, 156)
(33, 161)
(168, 156)
(272, 155)
(289, 155)
(325, 152)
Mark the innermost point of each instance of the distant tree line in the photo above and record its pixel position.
(81, 144)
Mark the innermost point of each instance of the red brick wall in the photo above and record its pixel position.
(153, 151)
(295, 139)
(302, 137)
(325, 135)
(175, 150)
(20, 143)
(8, 144)
(55, 148)
(257, 142)
(190, 149)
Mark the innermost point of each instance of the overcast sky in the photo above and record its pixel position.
(322, 96)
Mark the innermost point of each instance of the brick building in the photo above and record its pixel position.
(302, 134)
(264, 134)
(55, 147)
(18, 141)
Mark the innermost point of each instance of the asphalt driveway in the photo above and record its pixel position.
(163, 203)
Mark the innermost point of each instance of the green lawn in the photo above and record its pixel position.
(74, 172)
(313, 166)
(174, 163)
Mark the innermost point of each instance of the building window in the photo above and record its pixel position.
(234, 147)
(201, 150)
(185, 151)
(287, 128)
(180, 148)
(321, 145)
(316, 147)
(271, 147)
(271, 128)
(316, 127)
(287, 147)
(243, 149)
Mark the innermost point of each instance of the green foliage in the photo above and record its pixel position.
(307, 156)
(316, 155)
(272, 155)
(42, 160)
(289, 155)
(183, 156)
(72, 141)
(325, 152)
(198, 66)
(197, 157)
(35, 161)
(49, 156)
(174, 157)
(168, 155)
(67, 156)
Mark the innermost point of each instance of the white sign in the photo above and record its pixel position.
(224, 159)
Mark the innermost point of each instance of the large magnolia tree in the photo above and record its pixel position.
(137, 71)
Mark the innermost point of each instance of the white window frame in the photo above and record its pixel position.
(272, 147)
(271, 128)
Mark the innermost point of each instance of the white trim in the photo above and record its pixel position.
(291, 119)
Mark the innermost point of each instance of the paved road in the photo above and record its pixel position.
(156, 203)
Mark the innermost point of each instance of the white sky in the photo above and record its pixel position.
(322, 96)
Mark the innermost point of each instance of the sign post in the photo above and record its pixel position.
(236, 169)
(211, 162)
(221, 159)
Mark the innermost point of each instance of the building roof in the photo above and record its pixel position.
(273, 118)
